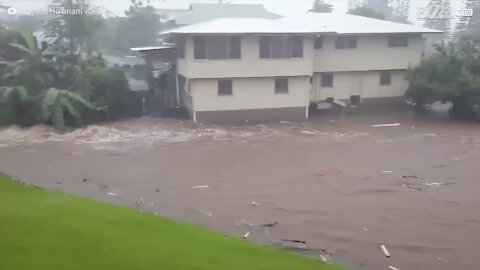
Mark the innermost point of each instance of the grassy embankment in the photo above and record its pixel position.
(45, 230)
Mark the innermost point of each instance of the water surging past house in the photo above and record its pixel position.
(241, 69)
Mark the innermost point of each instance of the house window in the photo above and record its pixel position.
(235, 49)
(180, 47)
(346, 42)
(281, 86)
(278, 47)
(199, 48)
(318, 43)
(326, 80)
(225, 88)
(385, 78)
(217, 48)
(398, 41)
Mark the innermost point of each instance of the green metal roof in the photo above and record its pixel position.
(204, 12)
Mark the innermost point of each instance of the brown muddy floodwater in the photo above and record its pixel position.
(334, 181)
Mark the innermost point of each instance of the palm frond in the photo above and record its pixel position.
(58, 120)
(71, 109)
(20, 47)
(77, 98)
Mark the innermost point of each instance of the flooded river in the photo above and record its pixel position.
(335, 181)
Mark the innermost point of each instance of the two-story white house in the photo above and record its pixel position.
(232, 70)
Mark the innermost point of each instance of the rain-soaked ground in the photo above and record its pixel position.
(335, 181)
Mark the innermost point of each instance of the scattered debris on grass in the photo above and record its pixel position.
(197, 187)
(385, 250)
(392, 268)
(246, 235)
(387, 125)
(112, 194)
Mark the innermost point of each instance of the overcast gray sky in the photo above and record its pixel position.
(283, 7)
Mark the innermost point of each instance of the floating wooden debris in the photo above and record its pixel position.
(392, 268)
(197, 187)
(296, 244)
(112, 194)
(387, 125)
(246, 235)
(385, 250)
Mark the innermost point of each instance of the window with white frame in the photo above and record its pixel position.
(217, 47)
(326, 80)
(385, 77)
(398, 41)
(346, 42)
(278, 47)
(225, 88)
(281, 86)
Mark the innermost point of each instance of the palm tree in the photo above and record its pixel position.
(31, 81)
(56, 103)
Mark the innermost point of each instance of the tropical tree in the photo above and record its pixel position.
(401, 11)
(77, 30)
(383, 7)
(28, 85)
(319, 6)
(437, 20)
(139, 28)
(469, 26)
(55, 103)
(451, 74)
(367, 12)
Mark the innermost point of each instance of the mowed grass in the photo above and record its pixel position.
(45, 230)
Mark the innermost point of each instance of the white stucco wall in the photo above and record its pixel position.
(364, 83)
(250, 64)
(249, 93)
(372, 53)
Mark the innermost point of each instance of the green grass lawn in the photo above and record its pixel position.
(45, 230)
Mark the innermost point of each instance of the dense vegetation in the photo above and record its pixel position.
(451, 74)
(62, 83)
(44, 230)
